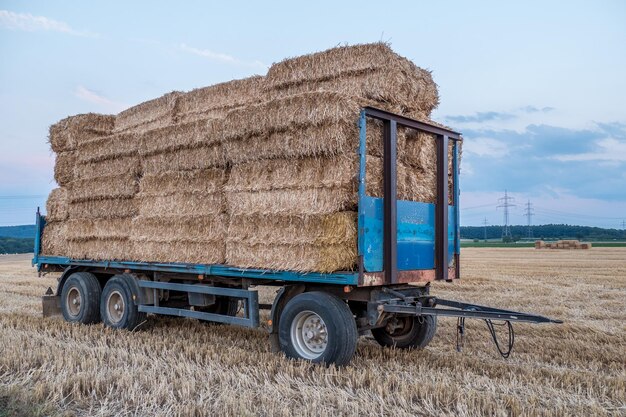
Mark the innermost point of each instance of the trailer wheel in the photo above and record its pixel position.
(318, 327)
(117, 307)
(407, 332)
(80, 298)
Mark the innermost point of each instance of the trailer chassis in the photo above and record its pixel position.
(314, 316)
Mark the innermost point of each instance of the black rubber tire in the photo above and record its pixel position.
(418, 336)
(340, 326)
(89, 290)
(131, 317)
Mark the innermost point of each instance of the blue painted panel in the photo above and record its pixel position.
(416, 234)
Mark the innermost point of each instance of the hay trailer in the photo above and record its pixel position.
(402, 247)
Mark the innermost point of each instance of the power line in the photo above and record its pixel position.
(506, 202)
(529, 212)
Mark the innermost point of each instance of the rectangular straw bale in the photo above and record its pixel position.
(101, 249)
(331, 229)
(300, 173)
(109, 147)
(64, 167)
(181, 204)
(89, 229)
(54, 241)
(216, 100)
(104, 188)
(179, 136)
(301, 258)
(57, 205)
(371, 71)
(110, 167)
(328, 139)
(308, 201)
(207, 156)
(187, 252)
(66, 134)
(104, 209)
(206, 181)
(148, 115)
(309, 109)
(175, 228)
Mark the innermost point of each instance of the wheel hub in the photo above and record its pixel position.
(309, 334)
(73, 301)
(115, 306)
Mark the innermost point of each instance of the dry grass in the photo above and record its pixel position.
(183, 367)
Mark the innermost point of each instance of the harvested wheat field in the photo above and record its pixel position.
(185, 367)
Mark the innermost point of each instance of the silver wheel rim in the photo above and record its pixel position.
(115, 306)
(309, 335)
(73, 301)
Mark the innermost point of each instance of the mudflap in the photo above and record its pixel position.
(51, 304)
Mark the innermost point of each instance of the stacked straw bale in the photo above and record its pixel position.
(562, 244)
(260, 172)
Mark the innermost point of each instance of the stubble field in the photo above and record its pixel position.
(184, 367)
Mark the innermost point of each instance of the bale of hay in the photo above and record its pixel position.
(176, 228)
(203, 181)
(183, 203)
(303, 110)
(53, 239)
(66, 134)
(109, 167)
(109, 147)
(109, 208)
(332, 229)
(187, 159)
(217, 100)
(104, 188)
(57, 205)
(91, 229)
(64, 167)
(180, 136)
(180, 251)
(371, 71)
(303, 258)
(148, 115)
(100, 249)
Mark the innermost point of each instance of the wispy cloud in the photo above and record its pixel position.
(221, 57)
(481, 117)
(28, 22)
(533, 109)
(94, 97)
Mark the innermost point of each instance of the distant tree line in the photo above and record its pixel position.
(16, 245)
(546, 231)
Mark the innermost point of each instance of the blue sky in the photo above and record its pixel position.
(538, 88)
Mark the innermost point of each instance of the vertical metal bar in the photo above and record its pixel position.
(361, 215)
(253, 308)
(457, 212)
(390, 234)
(441, 209)
(38, 228)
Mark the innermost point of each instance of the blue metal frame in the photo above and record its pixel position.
(250, 298)
(338, 278)
(341, 278)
